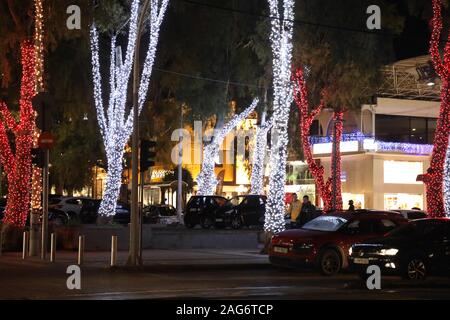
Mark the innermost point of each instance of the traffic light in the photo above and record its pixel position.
(148, 154)
(37, 157)
(43, 104)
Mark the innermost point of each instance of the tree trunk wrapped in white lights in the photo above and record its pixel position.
(447, 181)
(259, 158)
(115, 125)
(281, 43)
(206, 179)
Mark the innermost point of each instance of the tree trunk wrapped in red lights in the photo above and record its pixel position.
(325, 189)
(17, 160)
(433, 178)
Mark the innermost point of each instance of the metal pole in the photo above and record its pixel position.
(113, 251)
(180, 170)
(141, 217)
(80, 250)
(52, 247)
(45, 191)
(134, 219)
(25, 244)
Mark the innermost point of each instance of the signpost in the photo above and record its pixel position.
(45, 142)
(43, 104)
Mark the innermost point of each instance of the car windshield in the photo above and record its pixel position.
(325, 223)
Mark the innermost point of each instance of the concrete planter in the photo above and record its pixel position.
(98, 238)
(12, 237)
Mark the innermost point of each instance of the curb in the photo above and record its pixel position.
(192, 267)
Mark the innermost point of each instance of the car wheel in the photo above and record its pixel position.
(236, 222)
(415, 269)
(330, 262)
(207, 223)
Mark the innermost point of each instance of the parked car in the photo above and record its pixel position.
(324, 242)
(412, 214)
(248, 210)
(70, 205)
(202, 210)
(90, 207)
(160, 214)
(123, 213)
(57, 217)
(412, 251)
(89, 210)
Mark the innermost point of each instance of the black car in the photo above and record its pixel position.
(412, 214)
(89, 210)
(123, 213)
(248, 210)
(160, 214)
(57, 217)
(202, 210)
(412, 251)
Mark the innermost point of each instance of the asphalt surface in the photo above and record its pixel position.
(196, 274)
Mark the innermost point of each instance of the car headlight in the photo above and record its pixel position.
(350, 251)
(388, 252)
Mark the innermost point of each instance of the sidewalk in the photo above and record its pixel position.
(154, 259)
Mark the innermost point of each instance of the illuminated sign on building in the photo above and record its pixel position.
(326, 148)
(404, 172)
(158, 175)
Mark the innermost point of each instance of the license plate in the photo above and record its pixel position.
(361, 260)
(219, 220)
(280, 250)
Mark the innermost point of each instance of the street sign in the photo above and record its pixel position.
(46, 140)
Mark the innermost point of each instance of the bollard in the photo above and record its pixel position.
(25, 244)
(80, 250)
(52, 247)
(113, 250)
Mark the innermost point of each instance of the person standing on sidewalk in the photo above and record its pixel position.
(351, 206)
(294, 209)
(307, 212)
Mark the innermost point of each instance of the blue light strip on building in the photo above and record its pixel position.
(407, 148)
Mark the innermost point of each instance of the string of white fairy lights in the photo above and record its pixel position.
(115, 125)
(206, 180)
(281, 44)
(446, 179)
(259, 158)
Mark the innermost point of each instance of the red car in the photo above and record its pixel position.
(324, 242)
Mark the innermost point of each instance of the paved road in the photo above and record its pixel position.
(33, 279)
